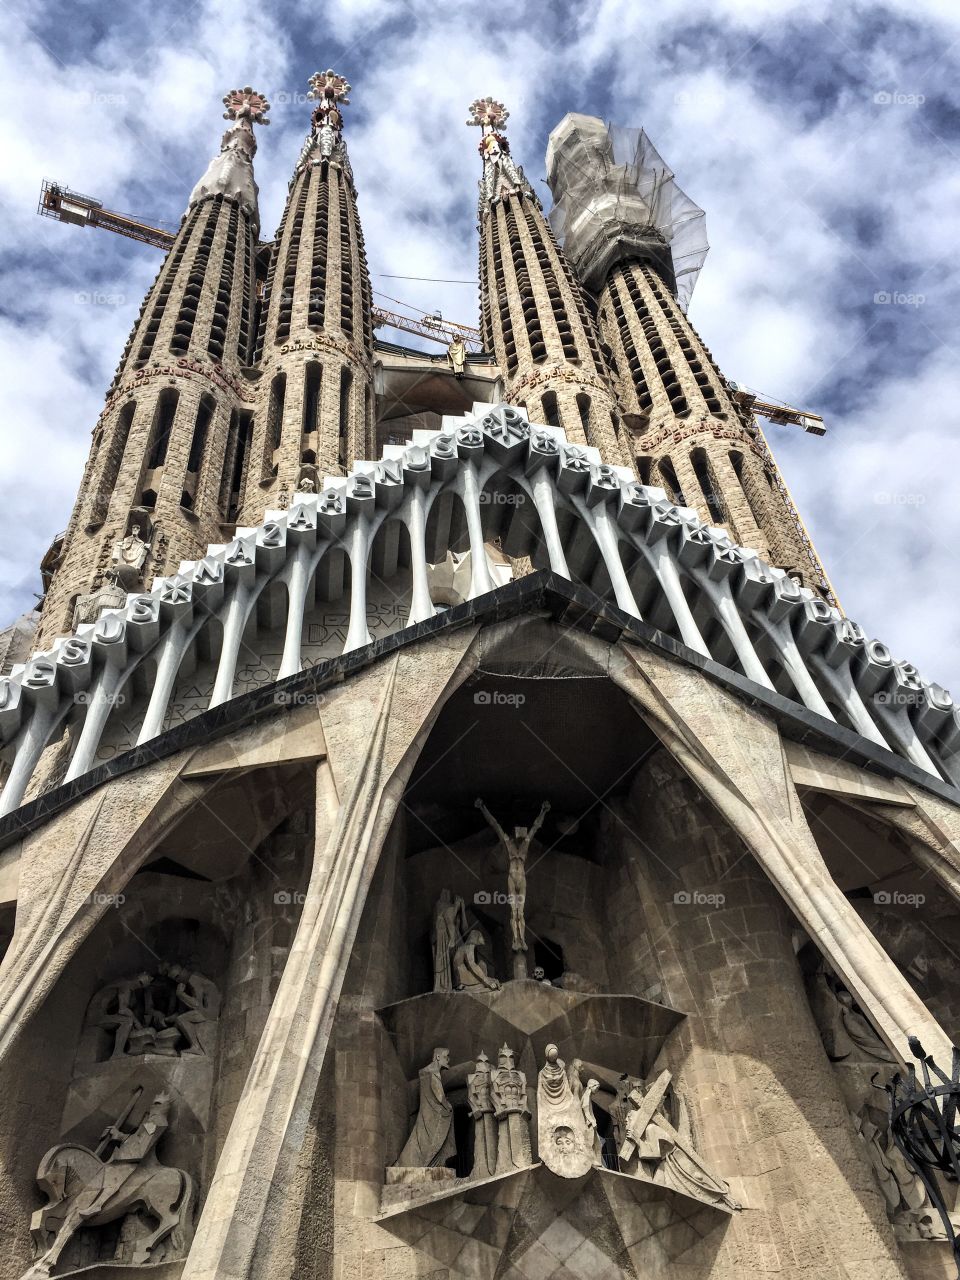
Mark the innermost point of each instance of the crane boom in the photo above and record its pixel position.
(59, 202)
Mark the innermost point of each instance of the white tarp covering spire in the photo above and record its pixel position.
(615, 198)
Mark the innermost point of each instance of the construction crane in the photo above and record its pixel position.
(781, 414)
(58, 201)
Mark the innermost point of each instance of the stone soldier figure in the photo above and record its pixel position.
(479, 1085)
(509, 1094)
(131, 1180)
(431, 1142)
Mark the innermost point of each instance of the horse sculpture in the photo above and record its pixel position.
(84, 1190)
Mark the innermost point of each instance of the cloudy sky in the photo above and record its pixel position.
(823, 140)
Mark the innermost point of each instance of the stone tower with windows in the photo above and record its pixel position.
(533, 314)
(158, 480)
(315, 338)
(366, 911)
(631, 235)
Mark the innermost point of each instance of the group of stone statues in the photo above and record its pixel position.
(171, 1013)
(640, 1139)
(457, 965)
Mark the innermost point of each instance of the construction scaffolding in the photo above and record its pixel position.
(614, 198)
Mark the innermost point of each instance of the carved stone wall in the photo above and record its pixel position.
(749, 1057)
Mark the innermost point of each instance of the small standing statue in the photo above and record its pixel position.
(128, 558)
(479, 1084)
(565, 1139)
(457, 355)
(516, 849)
(449, 926)
(509, 1094)
(431, 1142)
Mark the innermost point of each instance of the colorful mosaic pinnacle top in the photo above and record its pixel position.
(488, 113)
(329, 88)
(246, 104)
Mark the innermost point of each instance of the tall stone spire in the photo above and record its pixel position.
(533, 314)
(159, 477)
(231, 172)
(315, 342)
(637, 242)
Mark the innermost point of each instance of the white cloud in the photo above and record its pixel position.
(816, 196)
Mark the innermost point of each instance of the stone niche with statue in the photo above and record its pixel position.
(518, 1079)
(122, 1184)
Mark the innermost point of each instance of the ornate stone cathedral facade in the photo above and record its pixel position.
(449, 827)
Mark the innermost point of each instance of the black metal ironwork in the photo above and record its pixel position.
(924, 1124)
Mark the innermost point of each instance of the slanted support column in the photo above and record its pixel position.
(354, 813)
(421, 606)
(735, 756)
(469, 488)
(545, 500)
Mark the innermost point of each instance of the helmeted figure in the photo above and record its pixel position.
(509, 1094)
(85, 1190)
(480, 1098)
